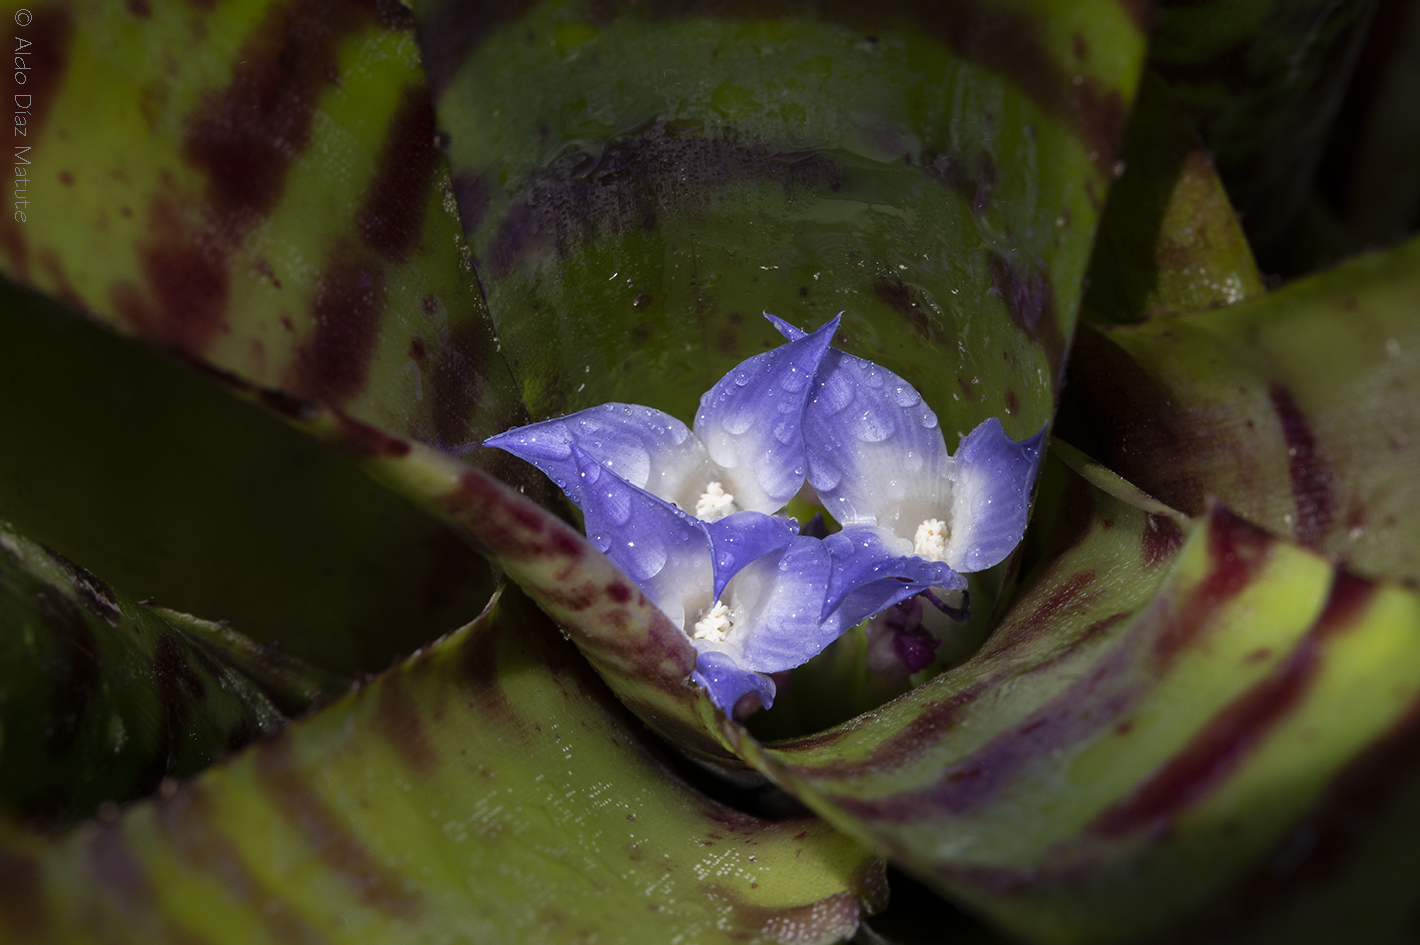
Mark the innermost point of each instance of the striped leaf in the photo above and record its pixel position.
(1153, 740)
(101, 698)
(255, 184)
(642, 656)
(640, 181)
(490, 789)
(1299, 410)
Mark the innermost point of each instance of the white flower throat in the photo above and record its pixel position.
(715, 503)
(931, 540)
(715, 625)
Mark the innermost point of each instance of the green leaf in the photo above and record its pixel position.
(640, 182)
(490, 788)
(100, 698)
(1299, 410)
(1152, 735)
(1169, 242)
(642, 656)
(172, 490)
(256, 185)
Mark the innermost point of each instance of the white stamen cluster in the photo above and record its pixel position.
(715, 503)
(931, 540)
(715, 625)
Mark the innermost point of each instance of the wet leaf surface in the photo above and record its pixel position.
(1150, 731)
(155, 478)
(101, 699)
(256, 185)
(640, 181)
(1300, 410)
(490, 787)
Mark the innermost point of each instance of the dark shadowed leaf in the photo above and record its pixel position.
(490, 789)
(1169, 242)
(640, 181)
(1375, 147)
(293, 685)
(172, 490)
(1299, 410)
(100, 698)
(257, 185)
(1263, 79)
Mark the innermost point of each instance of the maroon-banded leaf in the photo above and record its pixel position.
(256, 185)
(1169, 241)
(1299, 410)
(640, 181)
(1264, 80)
(101, 698)
(172, 490)
(642, 656)
(489, 789)
(1152, 732)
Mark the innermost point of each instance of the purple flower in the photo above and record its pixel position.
(683, 511)
(753, 596)
(877, 459)
(745, 452)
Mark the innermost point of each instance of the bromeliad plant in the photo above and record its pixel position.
(1182, 706)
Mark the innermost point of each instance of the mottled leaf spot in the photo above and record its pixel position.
(1030, 301)
(1311, 476)
(188, 282)
(1160, 540)
(246, 136)
(290, 789)
(899, 297)
(391, 216)
(332, 366)
(361, 441)
(398, 719)
(456, 383)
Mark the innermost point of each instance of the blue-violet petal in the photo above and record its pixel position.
(991, 491)
(751, 421)
(648, 448)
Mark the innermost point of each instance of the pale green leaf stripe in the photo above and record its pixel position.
(256, 185)
(1088, 780)
(490, 789)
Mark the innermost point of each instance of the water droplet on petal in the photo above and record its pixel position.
(737, 422)
(874, 425)
(907, 396)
